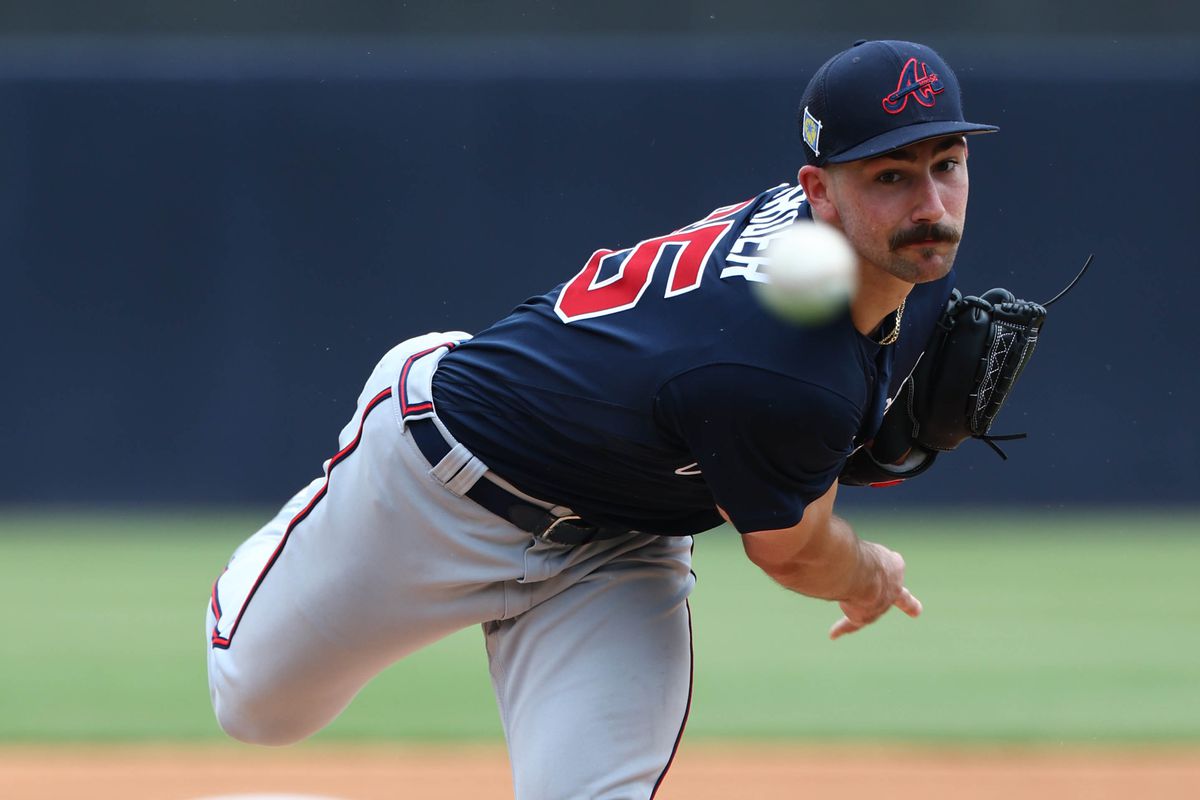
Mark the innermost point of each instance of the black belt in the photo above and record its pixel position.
(567, 529)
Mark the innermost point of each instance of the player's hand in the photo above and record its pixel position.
(881, 588)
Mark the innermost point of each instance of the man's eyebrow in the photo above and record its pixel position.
(907, 154)
(903, 154)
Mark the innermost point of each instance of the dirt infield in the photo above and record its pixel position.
(701, 772)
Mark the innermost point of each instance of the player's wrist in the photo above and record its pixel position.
(865, 581)
(846, 568)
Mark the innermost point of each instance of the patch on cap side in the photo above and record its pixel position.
(811, 132)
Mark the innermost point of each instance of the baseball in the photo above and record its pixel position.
(811, 274)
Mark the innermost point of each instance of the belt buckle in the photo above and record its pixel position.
(564, 518)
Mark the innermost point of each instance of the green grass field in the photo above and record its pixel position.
(1041, 628)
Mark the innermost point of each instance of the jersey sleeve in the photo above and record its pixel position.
(766, 444)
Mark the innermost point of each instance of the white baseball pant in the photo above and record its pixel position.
(589, 646)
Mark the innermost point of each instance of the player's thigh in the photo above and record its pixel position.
(594, 683)
(358, 570)
(301, 621)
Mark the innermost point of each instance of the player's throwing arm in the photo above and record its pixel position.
(822, 557)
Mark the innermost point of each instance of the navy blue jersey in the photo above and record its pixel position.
(653, 387)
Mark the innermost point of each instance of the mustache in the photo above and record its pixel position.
(934, 232)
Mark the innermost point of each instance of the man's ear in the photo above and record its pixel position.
(816, 184)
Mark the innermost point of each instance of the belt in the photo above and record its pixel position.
(565, 529)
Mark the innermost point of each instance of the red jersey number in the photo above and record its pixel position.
(583, 297)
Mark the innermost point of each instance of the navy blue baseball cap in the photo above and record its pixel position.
(880, 96)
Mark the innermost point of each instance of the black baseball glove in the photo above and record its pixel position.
(976, 354)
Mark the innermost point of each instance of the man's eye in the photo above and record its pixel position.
(889, 177)
(948, 165)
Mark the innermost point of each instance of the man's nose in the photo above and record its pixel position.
(929, 206)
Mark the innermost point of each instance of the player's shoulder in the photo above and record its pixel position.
(772, 213)
(784, 202)
(777, 201)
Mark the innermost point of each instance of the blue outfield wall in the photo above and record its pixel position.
(206, 246)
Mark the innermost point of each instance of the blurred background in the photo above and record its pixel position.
(215, 217)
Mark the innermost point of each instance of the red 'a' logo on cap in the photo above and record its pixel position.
(915, 80)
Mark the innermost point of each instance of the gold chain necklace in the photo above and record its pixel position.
(895, 334)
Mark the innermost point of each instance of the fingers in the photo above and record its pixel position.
(842, 627)
(905, 601)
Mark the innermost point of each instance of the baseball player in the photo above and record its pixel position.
(544, 477)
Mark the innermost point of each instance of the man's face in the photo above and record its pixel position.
(904, 210)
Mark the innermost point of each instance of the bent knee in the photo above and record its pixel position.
(258, 711)
(258, 720)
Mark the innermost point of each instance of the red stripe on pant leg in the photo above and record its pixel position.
(216, 609)
(405, 408)
(224, 642)
(688, 708)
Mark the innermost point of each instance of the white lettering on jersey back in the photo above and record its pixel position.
(747, 256)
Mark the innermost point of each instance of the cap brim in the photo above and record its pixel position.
(910, 134)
